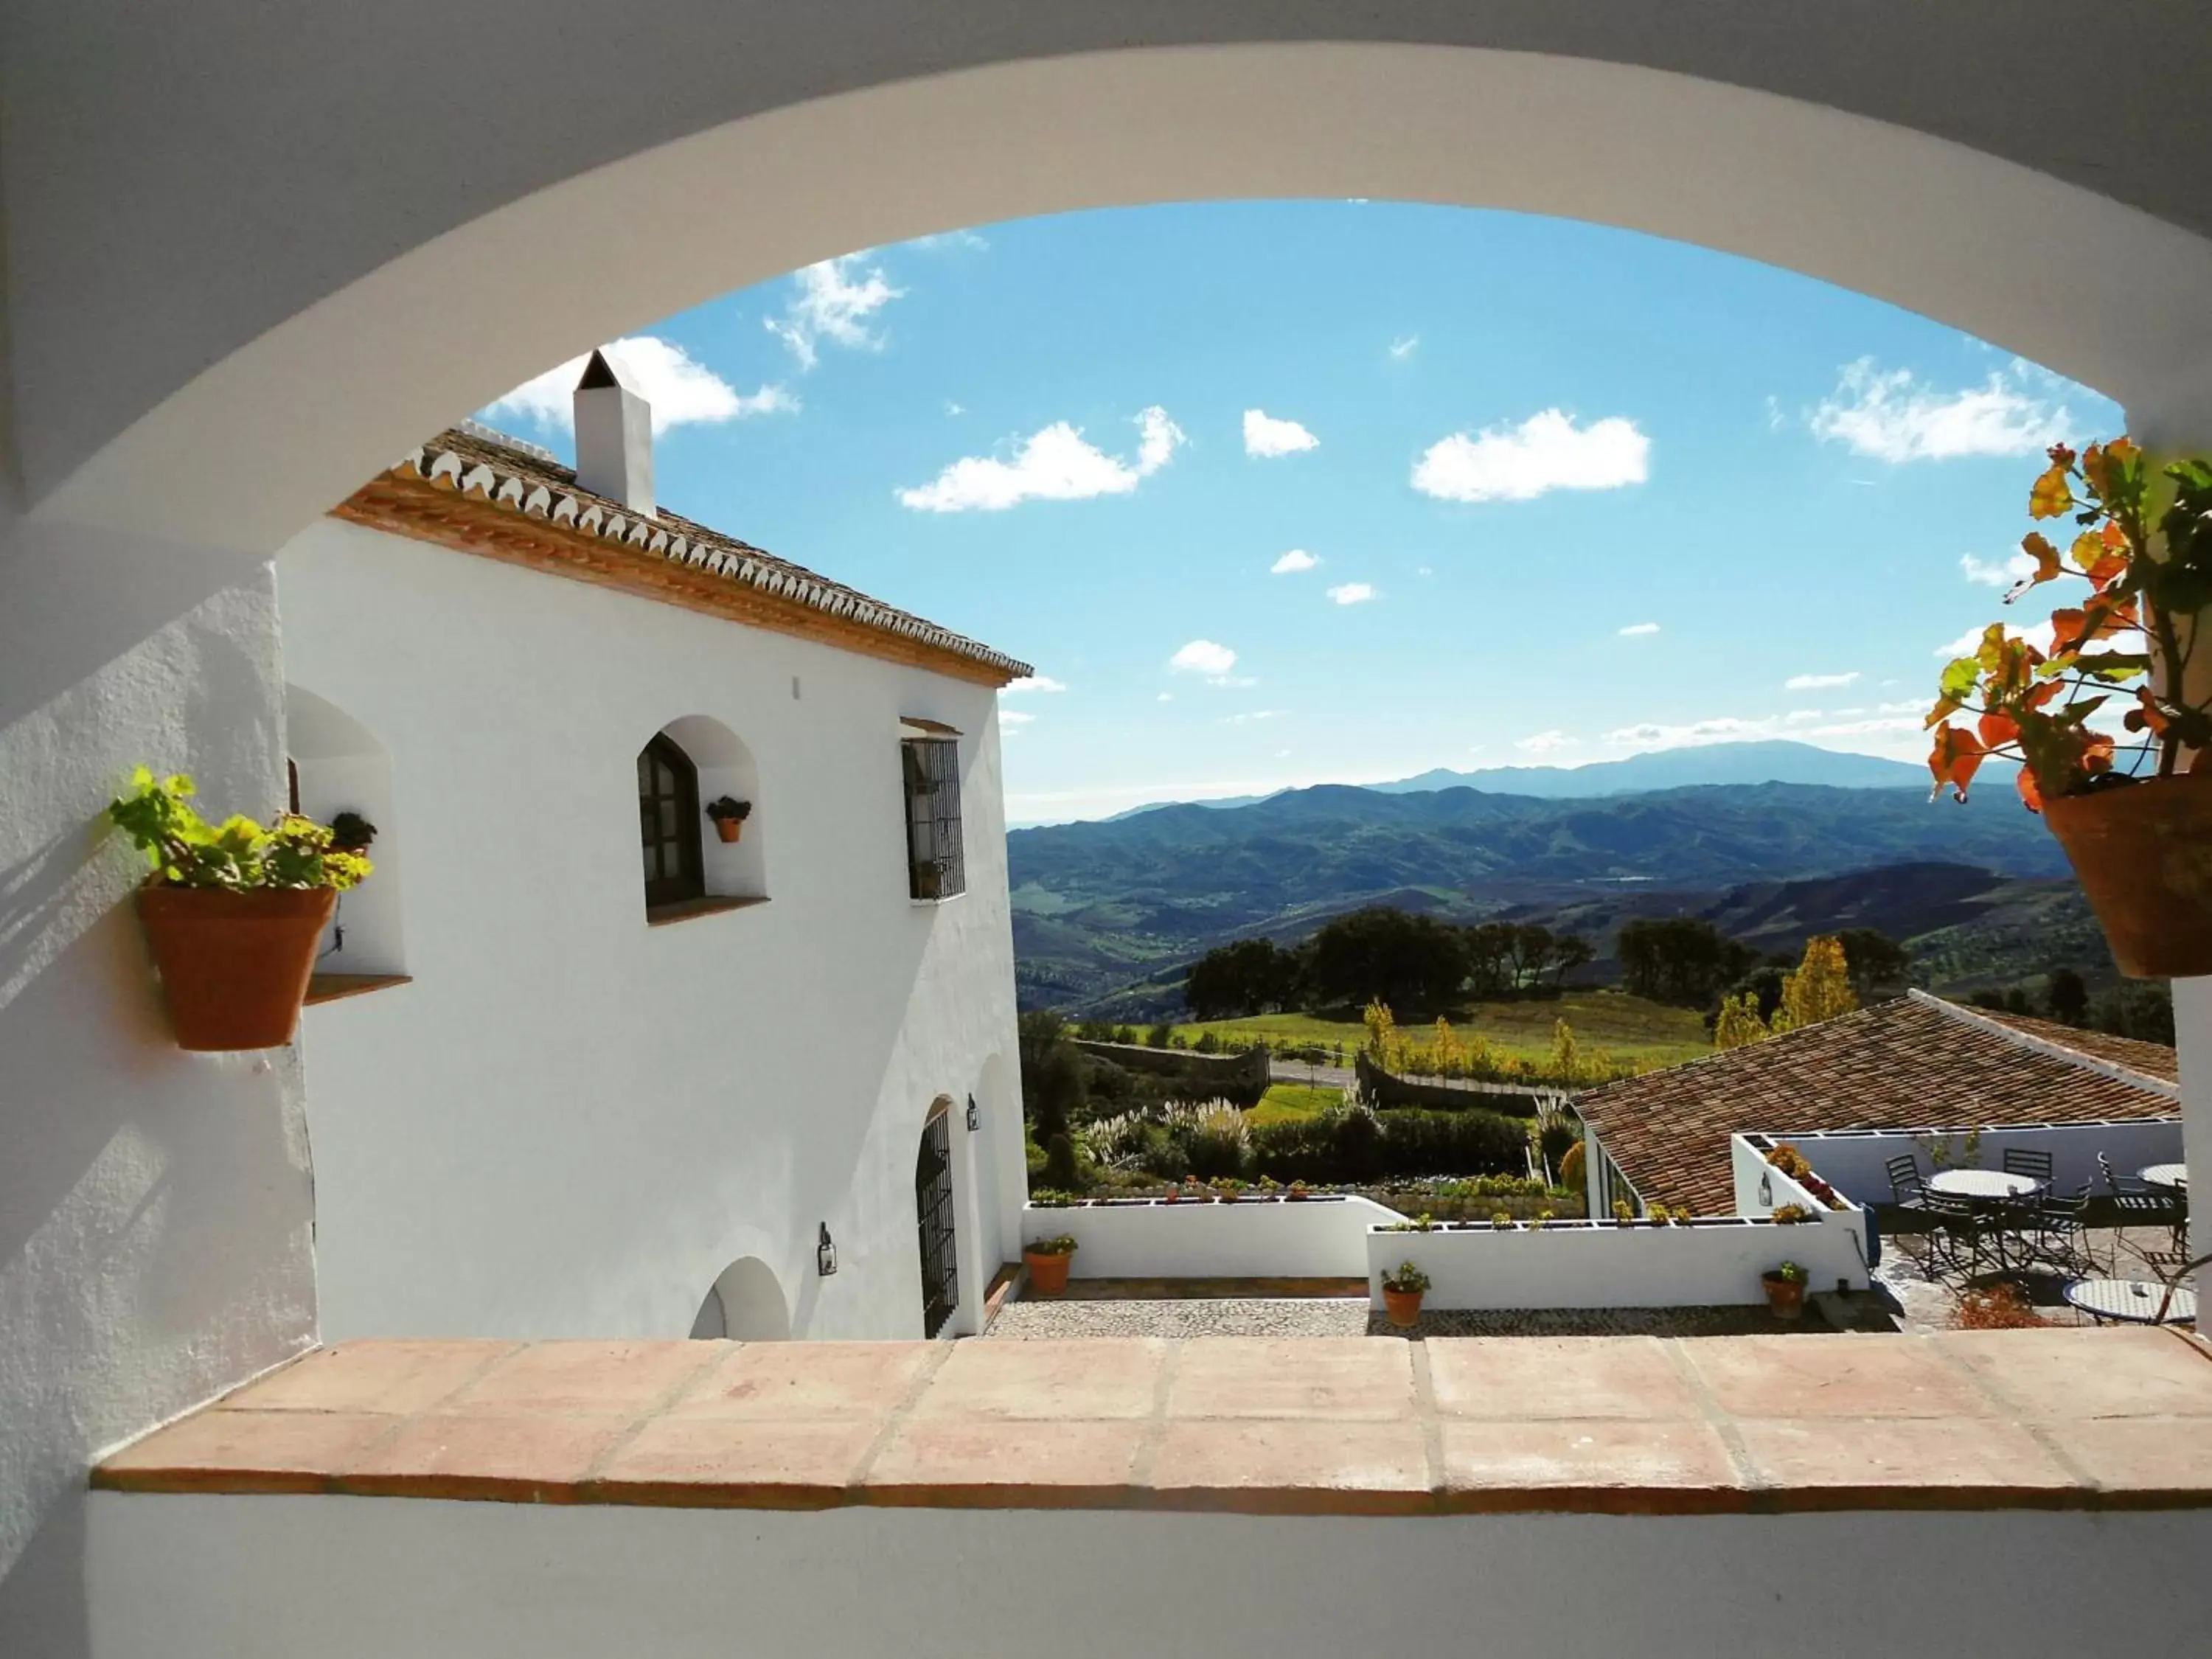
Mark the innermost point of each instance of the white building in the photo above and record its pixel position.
(555, 1090)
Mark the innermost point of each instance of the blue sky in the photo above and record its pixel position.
(1559, 494)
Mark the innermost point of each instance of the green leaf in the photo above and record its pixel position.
(1960, 677)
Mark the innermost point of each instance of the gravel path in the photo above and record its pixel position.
(1350, 1316)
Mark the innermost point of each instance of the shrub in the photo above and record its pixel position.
(1214, 1140)
(1995, 1307)
(1060, 1166)
(1791, 1215)
(1405, 1278)
(1791, 1162)
(1571, 1166)
(1062, 1245)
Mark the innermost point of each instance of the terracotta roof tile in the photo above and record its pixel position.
(1917, 1062)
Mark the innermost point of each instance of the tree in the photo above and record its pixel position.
(1876, 961)
(2066, 997)
(1680, 959)
(1386, 954)
(1568, 952)
(1251, 976)
(1055, 1090)
(1488, 947)
(1820, 989)
(1532, 949)
(1739, 1022)
(1160, 1035)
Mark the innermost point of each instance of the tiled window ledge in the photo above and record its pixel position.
(714, 904)
(2065, 1418)
(336, 987)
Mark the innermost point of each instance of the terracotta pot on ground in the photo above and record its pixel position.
(1785, 1296)
(1048, 1273)
(730, 828)
(234, 966)
(2144, 853)
(1404, 1307)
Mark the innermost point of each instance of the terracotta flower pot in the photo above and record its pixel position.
(234, 966)
(1404, 1307)
(1786, 1297)
(1048, 1272)
(730, 828)
(2144, 856)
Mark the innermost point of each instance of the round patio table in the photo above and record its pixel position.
(1982, 1186)
(2133, 1301)
(2172, 1177)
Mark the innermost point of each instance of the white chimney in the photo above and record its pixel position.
(614, 438)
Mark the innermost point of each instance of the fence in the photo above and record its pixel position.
(1384, 1088)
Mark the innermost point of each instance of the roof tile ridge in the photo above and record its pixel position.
(2078, 1058)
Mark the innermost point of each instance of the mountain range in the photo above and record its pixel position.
(1110, 911)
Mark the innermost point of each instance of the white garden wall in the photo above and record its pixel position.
(1320, 1237)
(571, 1123)
(1602, 1264)
(1852, 1161)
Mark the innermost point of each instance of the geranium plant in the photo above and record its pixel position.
(2134, 633)
(237, 855)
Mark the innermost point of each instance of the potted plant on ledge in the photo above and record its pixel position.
(1402, 1291)
(1048, 1261)
(1786, 1289)
(2136, 823)
(233, 912)
(729, 814)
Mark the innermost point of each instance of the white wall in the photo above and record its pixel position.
(1852, 1162)
(233, 1577)
(1255, 1238)
(1597, 1264)
(571, 1122)
(155, 1206)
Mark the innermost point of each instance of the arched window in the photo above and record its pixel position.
(668, 822)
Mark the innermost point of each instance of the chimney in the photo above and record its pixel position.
(614, 438)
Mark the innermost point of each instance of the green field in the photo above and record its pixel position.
(1628, 1028)
(1285, 1102)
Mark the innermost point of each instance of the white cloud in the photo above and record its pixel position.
(683, 391)
(951, 408)
(1166, 696)
(1817, 681)
(1055, 465)
(1891, 417)
(2036, 634)
(834, 300)
(1014, 717)
(1636, 630)
(1424, 570)
(1351, 592)
(1798, 726)
(1992, 574)
(1297, 559)
(1203, 656)
(952, 239)
(1032, 682)
(1404, 347)
(1267, 437)
(1902, 706)
(1776, 420)
(1545, 451)
(1546, 743)
(1254, 715)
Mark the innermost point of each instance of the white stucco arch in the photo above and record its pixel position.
(745, 1303)
(726, 765)
(325, 395)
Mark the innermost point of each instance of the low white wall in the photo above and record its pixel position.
(1321, 1237)
(1851, 1160)
(1600, 1264)
(178, 1577)
(1752, 1173)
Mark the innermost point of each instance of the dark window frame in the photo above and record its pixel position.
(687, 883)
(936, 847)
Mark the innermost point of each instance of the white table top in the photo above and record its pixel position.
(2166, 1175)
(2135, 1299)
(1981, 1183)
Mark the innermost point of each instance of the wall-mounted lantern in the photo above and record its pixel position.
(1765, 1188)
(825, 1252)
(974, 1115)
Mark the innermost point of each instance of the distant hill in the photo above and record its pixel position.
(1776, 761)
(1101, 906)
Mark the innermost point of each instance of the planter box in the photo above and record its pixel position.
(1256, 1237)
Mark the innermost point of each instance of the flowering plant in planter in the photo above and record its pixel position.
(1047, 1261)
(2136, 825)
(729, 814)
(233, 911)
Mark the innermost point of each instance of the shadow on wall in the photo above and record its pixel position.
(745, 1304)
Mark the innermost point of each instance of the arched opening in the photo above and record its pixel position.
(934, 1205)
(744, 1304)
(702, 828)
(335, 765)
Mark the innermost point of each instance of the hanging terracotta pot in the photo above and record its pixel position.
(234, 966)
(730, 828)
(2144, 853)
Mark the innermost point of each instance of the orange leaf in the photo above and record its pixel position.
(1944, 708)
(2150, 716)
(2052, 496)
(2030, 795)
(2097, 753)
(2037, 546)
(1997, 728)
(1955, 758)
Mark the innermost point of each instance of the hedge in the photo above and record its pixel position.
(1353, 1146)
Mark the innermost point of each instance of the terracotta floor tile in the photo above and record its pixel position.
(1640, 1468)
(619, 1379)
(1900, 1463)
(245, 1451)
(967, 1462)
(1047, 1379)
(402, 1377)
(2146, 1455)
(714, 1461)
(1290, 1466)
(1349, 1379)
(1525, 1378)
(537, 1458)
(788, 1380)
(2059, 1375)
(1834, 1376)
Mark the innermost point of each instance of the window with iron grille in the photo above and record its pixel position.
(935, 866)
(668, 823)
